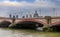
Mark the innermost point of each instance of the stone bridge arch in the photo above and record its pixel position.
(42, 21)
(55, 26)
(9, 20)
(35, 22)
(5, 23)
(32, 21)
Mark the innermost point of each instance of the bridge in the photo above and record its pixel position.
(30, 22)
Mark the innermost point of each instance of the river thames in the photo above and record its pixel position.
(7, 32)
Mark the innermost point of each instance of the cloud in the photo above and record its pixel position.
(37, 3)
(24, 7)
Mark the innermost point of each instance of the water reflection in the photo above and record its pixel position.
(6, 32)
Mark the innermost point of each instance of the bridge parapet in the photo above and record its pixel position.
(9, 20)
(43, 21)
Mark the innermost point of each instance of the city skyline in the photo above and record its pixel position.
(23, 7)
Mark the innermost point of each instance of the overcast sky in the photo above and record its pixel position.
(23, 7)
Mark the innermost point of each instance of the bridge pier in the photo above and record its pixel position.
(13, 22)
(12, 25)
(48, 19)
(47, 26)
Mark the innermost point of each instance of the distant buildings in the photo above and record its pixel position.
(35, 15)
(23, 16)
(16, 16)
(13, 16)
(10, 16)
(27, 16)
(30, 16)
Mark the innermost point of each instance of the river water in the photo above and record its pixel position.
(6, 32)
